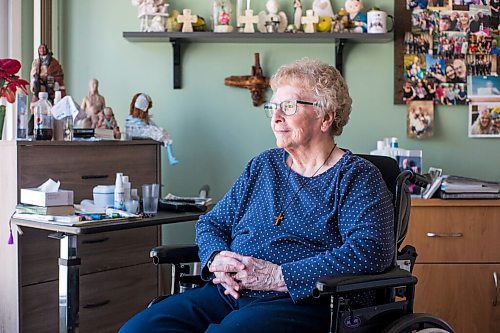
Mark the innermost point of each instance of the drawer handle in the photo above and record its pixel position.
(96, 305)
(97, 240)
(94, 176)
(445, 234)
(495, 281)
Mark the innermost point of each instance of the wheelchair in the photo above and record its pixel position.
(394, 289)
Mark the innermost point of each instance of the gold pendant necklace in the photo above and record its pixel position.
(281, 215)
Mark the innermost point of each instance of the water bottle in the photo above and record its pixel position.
(43, 118)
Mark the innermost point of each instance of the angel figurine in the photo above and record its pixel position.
(272, 21)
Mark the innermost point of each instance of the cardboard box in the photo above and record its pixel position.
(36, 197)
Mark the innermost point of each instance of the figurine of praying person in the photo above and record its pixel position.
(93, 103)
(106, 120)
(272, 21)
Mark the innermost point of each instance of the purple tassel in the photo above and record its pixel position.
(11, 238)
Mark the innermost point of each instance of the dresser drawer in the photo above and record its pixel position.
(40, 308)
(109, 299)
(81, 167)
(109, 250)
(455, 234)
(38, 255)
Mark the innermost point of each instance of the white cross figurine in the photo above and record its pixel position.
(187, 20)
(248, 20)
(309, 21)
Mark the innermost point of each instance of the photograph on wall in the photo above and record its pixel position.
(480, 21)
(439, 4)
(416, 4)
(481, 64)
(414, 65)
(420, 119)
(451, 94)
(420, 43)
(450, 44)
(484, 119)
(484, 88)
(480, 44)
(424, 20)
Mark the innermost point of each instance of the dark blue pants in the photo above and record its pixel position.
(207, 309)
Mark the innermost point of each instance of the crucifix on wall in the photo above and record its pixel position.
(257, 83)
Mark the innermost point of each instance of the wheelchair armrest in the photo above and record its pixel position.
(395, 277)
(174, 254)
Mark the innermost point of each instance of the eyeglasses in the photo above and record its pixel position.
(288, 107)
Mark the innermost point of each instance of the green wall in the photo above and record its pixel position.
(215, 128)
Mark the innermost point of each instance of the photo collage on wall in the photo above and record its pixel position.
(450, 58)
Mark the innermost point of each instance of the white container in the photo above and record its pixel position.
(119, 194)
(104, 195)
(377, 22)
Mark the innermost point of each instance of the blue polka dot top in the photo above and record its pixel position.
(339, 223)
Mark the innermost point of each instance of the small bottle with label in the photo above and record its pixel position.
(119, 198)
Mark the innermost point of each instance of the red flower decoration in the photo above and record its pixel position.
(9, 81)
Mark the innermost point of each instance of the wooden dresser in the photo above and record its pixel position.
(458, 263)
(117, 278)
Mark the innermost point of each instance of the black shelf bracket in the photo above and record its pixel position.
(176, 44)
(339, 55)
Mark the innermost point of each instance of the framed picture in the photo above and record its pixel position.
(439, 4)
(420, 119)
(484, 120)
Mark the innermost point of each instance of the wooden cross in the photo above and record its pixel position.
(187, 20)
(309, 21)
(256, 83)
(248, 20)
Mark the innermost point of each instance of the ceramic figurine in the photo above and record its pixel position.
(322, 8)
(309, 20)
(93, 103)
(297, 15)
(187, 20)
(106, 120)
(341, 21)
(139, 124)
(248, 21)
(222, 16)
(46, 74)
(272, 21)
(357, 19)
(152, 14)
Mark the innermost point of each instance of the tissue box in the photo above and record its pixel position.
(34, 196)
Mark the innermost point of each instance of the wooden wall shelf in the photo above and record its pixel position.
(177, 38)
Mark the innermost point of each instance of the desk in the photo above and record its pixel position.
(72, 239)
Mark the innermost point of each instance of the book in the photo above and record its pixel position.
(45, 210)
(55, 219)
(468, 195)
(456, 184)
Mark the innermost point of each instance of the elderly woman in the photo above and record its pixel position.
(298, 212)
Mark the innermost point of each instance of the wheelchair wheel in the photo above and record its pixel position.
(419, 323)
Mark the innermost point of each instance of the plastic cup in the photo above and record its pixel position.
(150, 196)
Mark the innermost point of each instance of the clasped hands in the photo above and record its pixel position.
(236, 272)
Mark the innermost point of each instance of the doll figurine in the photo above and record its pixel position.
(106, 120)
(139, 125)
(357, 18)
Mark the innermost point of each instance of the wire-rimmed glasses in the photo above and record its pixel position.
(288, 107)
